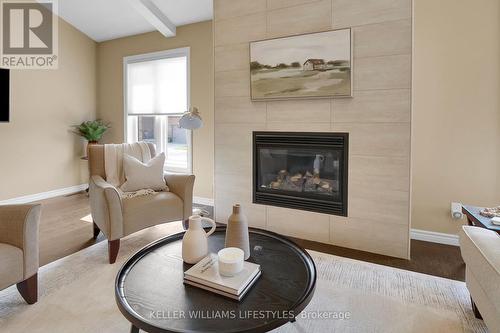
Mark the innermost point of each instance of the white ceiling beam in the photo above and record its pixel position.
(155, 16)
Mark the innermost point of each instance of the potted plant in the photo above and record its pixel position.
(91, 130)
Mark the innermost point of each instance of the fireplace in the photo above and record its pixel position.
(299, 170)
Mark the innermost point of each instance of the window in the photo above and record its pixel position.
(156, 91)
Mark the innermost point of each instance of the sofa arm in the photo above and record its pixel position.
(19, 226)
(182, 185)
(106, 207)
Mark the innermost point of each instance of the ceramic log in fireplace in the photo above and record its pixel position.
(299, 170)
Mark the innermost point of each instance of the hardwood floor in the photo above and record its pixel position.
(428, 258)
(66, 227)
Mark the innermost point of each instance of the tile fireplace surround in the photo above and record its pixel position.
(377, 118)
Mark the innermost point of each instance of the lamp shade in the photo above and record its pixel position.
(191, 120)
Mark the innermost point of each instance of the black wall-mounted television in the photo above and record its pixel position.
(4, 95)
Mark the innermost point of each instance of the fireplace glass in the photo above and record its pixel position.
(300, 171)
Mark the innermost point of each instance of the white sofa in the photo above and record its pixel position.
(481, 252)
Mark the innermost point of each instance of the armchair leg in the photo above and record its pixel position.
(113, 248)
(29, 289)
(96, 231)
(477, 314)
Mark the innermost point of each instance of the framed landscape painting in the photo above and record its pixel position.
(305, 66)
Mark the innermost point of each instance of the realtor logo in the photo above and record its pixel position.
(29, 34)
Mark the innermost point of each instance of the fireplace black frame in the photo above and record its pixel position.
(338, 141)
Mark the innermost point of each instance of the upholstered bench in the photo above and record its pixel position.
(481, 252)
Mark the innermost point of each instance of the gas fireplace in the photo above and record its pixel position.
(299, 170)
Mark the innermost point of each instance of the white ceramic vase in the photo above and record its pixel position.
(194, 242)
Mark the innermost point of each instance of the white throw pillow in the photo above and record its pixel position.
(139, 176)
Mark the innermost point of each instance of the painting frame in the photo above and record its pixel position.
(350, 85)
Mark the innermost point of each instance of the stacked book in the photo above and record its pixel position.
(205, 275)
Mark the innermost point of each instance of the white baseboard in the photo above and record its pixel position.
(203, 201)
(434, 237)
(72, 190)
(45, 195)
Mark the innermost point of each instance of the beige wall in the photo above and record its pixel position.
(198, 37)
(377, 117)
(456, 112)
(38, 151)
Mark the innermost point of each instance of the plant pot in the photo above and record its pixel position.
(89, 143)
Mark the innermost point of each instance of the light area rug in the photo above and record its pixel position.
(76, 294)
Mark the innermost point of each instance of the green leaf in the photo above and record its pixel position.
(91, 130)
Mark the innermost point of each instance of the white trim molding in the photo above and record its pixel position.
(434, 237)
(45, 195)
(203, 201)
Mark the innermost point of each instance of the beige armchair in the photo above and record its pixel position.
(19, 249)
(117, 217)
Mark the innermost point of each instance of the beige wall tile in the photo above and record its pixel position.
(240, 29)
(373, 106)
(298, 223)
(314, 111)
(232, 84)
(298, 127)
(314, 16)
(239, 110)
(377, 118)
(388, 72)
(388, 173)
(276, 4)
(233, 159)
(348, 13)
(224, 9)
(377, 139)
(371, 236)
(234, 188)
(388, 38)
(378, 204)
(236, 135)
(232, 57)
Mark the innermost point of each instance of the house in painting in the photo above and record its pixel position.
(314, 64)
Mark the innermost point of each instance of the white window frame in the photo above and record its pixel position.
(173, 53)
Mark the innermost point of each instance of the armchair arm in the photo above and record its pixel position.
(182, 186)
(19, 227)
(106, 207)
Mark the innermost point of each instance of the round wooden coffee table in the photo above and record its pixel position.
(150, 293)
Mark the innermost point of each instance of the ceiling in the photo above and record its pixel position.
(103, 20)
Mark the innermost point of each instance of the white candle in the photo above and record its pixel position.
(230, 261)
